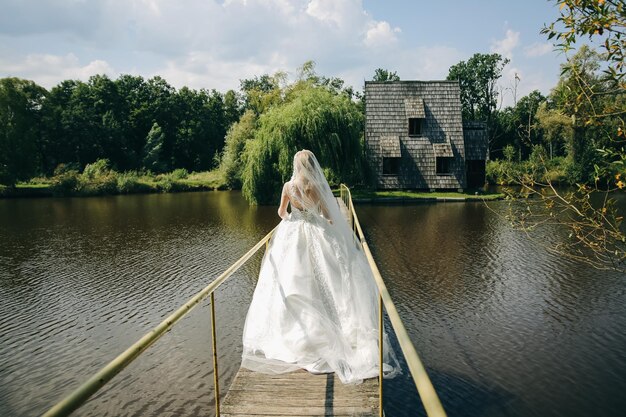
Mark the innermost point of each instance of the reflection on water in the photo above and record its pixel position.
(82, 279)
(504, 328)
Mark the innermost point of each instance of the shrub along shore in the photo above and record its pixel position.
(99, 179)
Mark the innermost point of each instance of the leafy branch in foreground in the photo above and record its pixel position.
(595, 102)
(588, 213)
(602, 21)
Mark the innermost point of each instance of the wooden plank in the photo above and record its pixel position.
(250, 408)
(298, 393)
(297, 386)
(300, 415)
(306, 397)
(270, 415)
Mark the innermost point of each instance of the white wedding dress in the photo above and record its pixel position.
(315, 305)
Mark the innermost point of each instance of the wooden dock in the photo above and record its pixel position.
(298, 393)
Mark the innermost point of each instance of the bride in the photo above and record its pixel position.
(315, 304)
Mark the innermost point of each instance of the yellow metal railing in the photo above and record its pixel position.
(424, 386)
(97, 381)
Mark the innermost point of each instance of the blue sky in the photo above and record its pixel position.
(214, 43)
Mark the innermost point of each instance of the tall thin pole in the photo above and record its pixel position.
(380, 353)
(216, 382)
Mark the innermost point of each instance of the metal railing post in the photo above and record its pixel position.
(353, 222)
(216, 381)
(380, 353)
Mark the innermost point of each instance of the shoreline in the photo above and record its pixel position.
(409, 200)
(8, 193)
(358, 196)
(416, 196)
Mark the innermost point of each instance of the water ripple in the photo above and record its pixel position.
(503, 327)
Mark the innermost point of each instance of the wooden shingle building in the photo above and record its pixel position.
(416, 137)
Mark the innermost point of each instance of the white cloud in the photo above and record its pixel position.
(538, 49)
(510, 87)
(419, 63)
(212, 43)
(47, 69)
(518, 77)
(343, 14)
(202, 70)
(152, 5)
(528, 80)
(506, 46)
(381, 34)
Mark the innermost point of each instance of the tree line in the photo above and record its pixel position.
(139, 124)
(134, 123)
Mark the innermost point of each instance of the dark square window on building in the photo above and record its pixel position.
(444, 165)
(415, 126)
(391, 166)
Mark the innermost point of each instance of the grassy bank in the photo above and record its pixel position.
(100, 180)
(408, 196)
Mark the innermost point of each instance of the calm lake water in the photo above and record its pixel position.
(503, 327)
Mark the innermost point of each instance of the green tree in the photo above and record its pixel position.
(261, 93)
(478, 79)
(307, 76)
(135, 118)
(20, 129)
(385, 75)
(80, 124)
(526, 129)
(153, 149)
(232, 108)
(106, 122)
(239, 134)
(83, 122)
(556, 127)
(328, 124)
(191, 147)
(162, 106)
(509, 153)
(580, 74)
(517, 126)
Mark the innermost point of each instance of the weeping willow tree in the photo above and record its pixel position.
(315, 118)
(234, 145)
